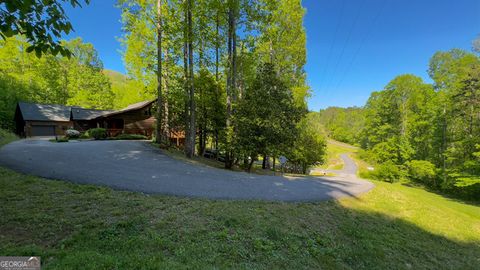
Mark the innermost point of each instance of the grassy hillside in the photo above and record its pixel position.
(81, 226)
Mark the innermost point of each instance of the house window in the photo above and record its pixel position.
(148, 112)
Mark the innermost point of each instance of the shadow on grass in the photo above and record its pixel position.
(86, 227)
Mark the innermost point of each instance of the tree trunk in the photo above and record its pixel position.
(230, 76)
(186, 80)
(192, 126)
(203, 111)
(250, 165)
(274, 165)
(444, 143)
(264, 163)
(217, 93)
(166, 120)
(158, 130)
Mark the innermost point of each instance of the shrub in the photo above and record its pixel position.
(72, 133)
(60, 139)
(422, 170)
(85, 136)
(6, 137)
(462, 185)
(388, 172)
(130, 137)
(97, 133)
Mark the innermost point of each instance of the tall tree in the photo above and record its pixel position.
(233, 10)
(160, 135)
(267, 117)
(192, 129)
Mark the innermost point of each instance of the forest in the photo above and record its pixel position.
(228, 74)
(426, 132)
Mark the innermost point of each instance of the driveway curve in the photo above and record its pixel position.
(137, 166)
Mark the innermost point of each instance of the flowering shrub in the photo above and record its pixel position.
(72, 133)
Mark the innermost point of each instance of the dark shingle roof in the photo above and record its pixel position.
(132, 107)
(44, 112)
(52, 112)
(87, 114)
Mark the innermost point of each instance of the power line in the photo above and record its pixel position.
(334, 38)
(368, 34)
(345, 44)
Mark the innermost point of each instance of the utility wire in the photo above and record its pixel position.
(345, 44)
(334, 41)
(368, 34)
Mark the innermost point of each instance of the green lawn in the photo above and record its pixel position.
(86, 227)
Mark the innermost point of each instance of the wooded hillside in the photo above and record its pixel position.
(426, 132)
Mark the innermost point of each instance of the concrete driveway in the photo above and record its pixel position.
(137, 166)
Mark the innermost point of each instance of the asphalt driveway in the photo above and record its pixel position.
(137, 166)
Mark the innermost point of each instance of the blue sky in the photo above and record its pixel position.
(354, 47)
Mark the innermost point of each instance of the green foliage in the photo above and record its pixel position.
(463, 185)
(51, 79)
(85, 136)
(60, 140)
(97, 133)
(267, 116)
(422, 170)
(6, 137)
(388, 172)
(431, 129)
(125, 91)
(129, 137)
(309, 146)
(396, 149)
(42, 23)
(402, 112)
(256, 32)
(343, 124)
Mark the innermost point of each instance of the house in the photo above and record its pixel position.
(134, 119)
(53, 120)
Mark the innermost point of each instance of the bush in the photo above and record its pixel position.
(72, 133)
(85, 136)
(130, 137)
(462, 185)
(6, 137)
(97, 133)
(388, 172)
(422, 170)
(60, 140)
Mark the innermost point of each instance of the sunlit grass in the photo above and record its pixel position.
(452, 219)
(87, 227)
